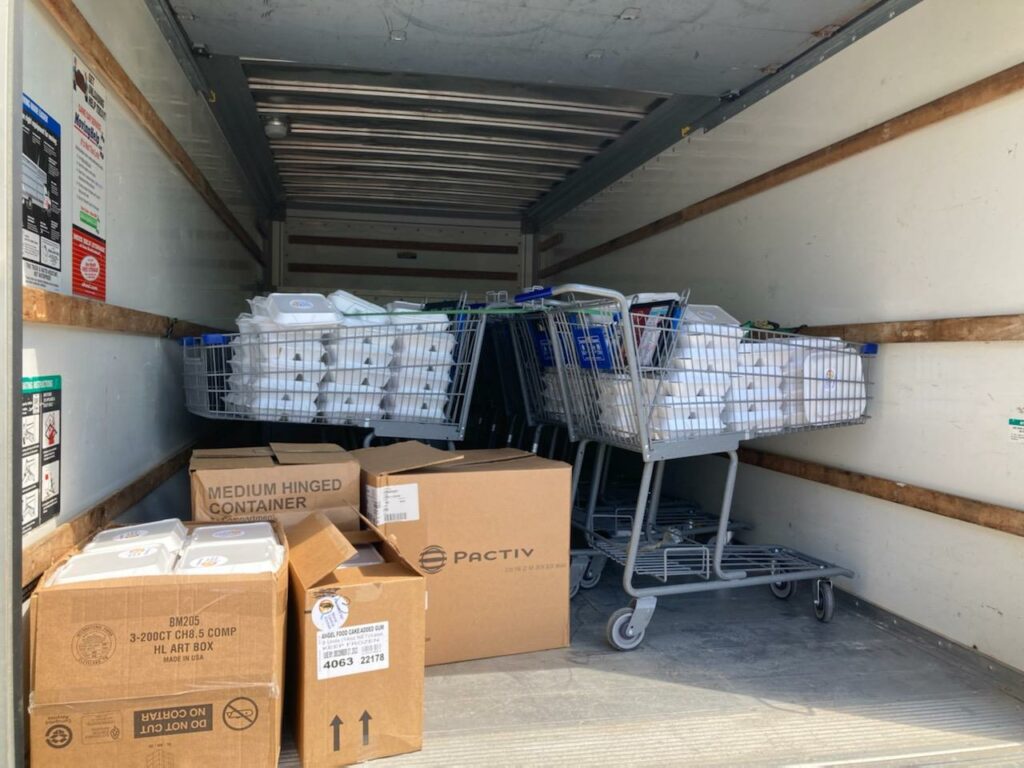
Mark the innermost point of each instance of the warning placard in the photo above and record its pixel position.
(89, 186)
(40, 450)
(40, 196)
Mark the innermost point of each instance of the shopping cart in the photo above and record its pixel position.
(687, 383)
(406, 375)
(540, 380)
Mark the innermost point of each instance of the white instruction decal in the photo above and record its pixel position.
(1017, 431)
(352, 650)
(393, 504)
(330, 613)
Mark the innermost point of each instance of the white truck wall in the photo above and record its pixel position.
(927, 226)
(123, 407)
(375, 227)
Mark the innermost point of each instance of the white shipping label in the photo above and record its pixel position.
(352, 650)
(393, 504)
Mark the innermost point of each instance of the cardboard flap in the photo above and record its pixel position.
(401, 457)
(231, 458)
(309, 453)
(487, 456)
(315, 548)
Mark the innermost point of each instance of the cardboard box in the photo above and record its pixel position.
(356, 647)
(282, 481)
(158, 670)
(490, 531)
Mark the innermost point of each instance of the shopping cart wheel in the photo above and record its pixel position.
(824, 602)
(574, 588)
(783, 589)
(617, 629)
(592, 576)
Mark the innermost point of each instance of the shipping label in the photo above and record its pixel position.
(393, 503)
(352, 650)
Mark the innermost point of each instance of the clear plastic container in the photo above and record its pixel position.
(366, 555)
(359, 311)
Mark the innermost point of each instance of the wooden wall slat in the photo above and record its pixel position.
(987, 328)
(402, 245)
(96, 54)
(994, 516)
(35, 559)
(551, 242)
(47, 307)
(349, 269)
(967, 98)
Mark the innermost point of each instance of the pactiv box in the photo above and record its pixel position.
(489, 529)
(282, 481)
(182, 670)
(356, 648)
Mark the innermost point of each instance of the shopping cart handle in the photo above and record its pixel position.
(533, 295)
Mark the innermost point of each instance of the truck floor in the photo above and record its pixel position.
(733, 678)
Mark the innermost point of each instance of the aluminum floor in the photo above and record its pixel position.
(736, 678)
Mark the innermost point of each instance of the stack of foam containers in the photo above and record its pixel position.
(700, 373)
(755, 400)
(277, 360)
(424, 350)
(824, 383)
(359, 359)
(163, 547)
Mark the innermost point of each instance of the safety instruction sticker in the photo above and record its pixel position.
(1017, 431)
(352, 650)
(40, 197)
(40, 450)
(393, 504)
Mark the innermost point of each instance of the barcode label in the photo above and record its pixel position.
(393, 503)
(352, 650)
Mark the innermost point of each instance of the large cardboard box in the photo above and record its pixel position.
(357, 647)
(490, 531)
(282, 481)
(158, 670)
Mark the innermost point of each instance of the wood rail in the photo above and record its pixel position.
(986, 328)
(994, 516)
(402, 245)
(47, 307)
(96, 54)
(39, 556)
(551, 242)
(956, 103)
(350, 269)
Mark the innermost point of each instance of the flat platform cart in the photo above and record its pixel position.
(690, 384)
(402, 374)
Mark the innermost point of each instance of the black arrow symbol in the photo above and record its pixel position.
(336, 725)
(366, 718)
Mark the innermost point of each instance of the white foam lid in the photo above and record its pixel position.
(141, 560)
(169, 533)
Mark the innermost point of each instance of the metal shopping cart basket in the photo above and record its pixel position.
(689, 383)
(404, 374)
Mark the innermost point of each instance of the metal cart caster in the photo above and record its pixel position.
(592, 575)
(783, 589)
(627, 626)
(824, 601)
(577, 571)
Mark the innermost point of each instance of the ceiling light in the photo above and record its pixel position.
(629, 14)
(276, 127)
(597, 53)
(397, 35)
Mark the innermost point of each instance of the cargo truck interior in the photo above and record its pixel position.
(849, 168)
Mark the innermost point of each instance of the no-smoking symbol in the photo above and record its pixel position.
(240, 713)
